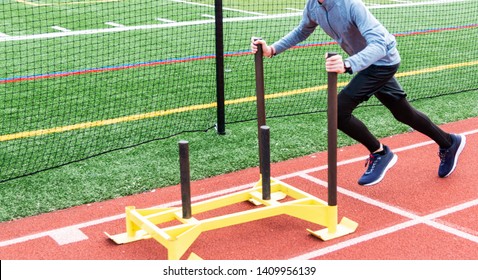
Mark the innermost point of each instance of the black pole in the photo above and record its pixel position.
(185, 178)
(260, 99)
(266, 162)
(220, 99)
(332, 135)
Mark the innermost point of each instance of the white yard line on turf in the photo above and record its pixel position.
(259, 16)
(212, 6)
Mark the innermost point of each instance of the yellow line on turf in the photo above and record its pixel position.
(436, 69)
(137, 117)
(149, 115)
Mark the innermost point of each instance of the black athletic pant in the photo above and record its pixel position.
(380, 81)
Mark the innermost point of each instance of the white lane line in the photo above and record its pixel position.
(427, 219)
(363, 198)
(56, 233)
(245, 186)
(354, 241)
(389, 230)
(415, 219)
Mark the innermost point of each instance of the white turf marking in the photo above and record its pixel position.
(141, 27)
(56, 234)
(165, 20)
(172, 24)
(294, 9)
(62, 29)
(114, 24)
(414, 4)
(4, 35)
(208, 16)
(401, 1)
(212, 6)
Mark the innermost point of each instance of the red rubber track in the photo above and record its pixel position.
(412, 214)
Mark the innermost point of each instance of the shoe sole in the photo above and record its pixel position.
(460, 149)
(390, 165)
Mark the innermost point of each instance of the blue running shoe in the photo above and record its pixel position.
(449, 157)
(378, 164)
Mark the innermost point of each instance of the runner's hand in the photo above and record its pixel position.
(334, 64)
(267, 50)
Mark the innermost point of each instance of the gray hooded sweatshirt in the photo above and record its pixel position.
(352, 26)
